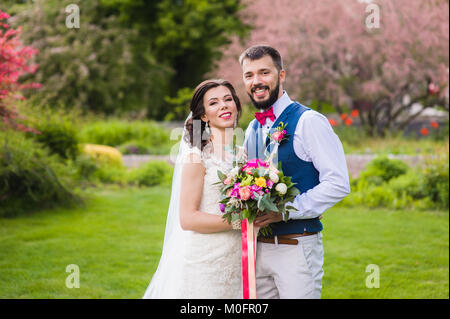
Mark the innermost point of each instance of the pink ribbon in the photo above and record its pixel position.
(248, 260)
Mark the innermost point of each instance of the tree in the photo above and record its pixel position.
(186, 35)
(99, 66)
(15, 61)
(334, 56)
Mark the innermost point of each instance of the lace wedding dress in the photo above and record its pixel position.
(213, 261)
(207, 266)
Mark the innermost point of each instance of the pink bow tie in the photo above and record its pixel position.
(261, 116)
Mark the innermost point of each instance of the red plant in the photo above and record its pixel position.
(433, 89)
(344, 116)
(333, 122)
(348, 121)
(14, 62)
(354, 113)
(434, 124)
(424, 131)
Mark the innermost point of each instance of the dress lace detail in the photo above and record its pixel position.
(213, 261)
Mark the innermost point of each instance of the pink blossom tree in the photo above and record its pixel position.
(332, 56)
(14, 62)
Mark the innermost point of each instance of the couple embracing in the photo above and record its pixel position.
(201, 257)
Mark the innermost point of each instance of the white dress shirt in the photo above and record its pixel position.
(316, 142)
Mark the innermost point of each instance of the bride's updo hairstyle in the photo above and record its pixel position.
(198, 110)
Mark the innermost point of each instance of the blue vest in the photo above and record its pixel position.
(303, 173)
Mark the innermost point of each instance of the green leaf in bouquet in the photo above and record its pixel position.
(292, 192)
(228, 217)
(235, 217)
(261, 205)
(246, 181)
(226, 187)
(291, 208)
(251, 218)
(245, 213)
(221, 176)
(269, 204)
(266, 231)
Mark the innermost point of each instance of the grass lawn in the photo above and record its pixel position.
(116, 242)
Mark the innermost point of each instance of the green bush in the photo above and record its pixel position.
(119, 132)
(59, 133)
(391, 184)
(30, 177)
(410, 184)
(151, 173)
(436, 180)
(383, 169)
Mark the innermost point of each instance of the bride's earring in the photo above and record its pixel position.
(206, 135)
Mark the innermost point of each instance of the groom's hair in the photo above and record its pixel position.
(258, 51)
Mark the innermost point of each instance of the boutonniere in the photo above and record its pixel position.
(279, 134)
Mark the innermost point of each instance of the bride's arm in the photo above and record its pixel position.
(191, 194)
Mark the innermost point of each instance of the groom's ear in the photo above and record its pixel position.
(282, 75)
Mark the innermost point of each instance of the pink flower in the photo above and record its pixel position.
(269, 183)
(245, 192)
(433, 89)
(254, 163)
(278, 136)
(227, 181)
(234, 191)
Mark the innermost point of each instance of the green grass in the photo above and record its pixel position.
(116, 241)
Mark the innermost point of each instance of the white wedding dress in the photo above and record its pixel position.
(208, 265)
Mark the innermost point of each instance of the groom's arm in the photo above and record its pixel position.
(316, 140)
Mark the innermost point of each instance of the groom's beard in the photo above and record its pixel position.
(273, 97)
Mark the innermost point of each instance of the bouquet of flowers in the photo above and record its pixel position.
(257, 186)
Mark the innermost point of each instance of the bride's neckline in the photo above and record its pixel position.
(226, 155)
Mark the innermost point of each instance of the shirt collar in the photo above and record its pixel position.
(283, 102)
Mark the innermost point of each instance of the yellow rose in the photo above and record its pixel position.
(260, 181)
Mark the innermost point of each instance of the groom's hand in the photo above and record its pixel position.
(267, 218)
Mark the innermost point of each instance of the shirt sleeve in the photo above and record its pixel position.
(315, 136)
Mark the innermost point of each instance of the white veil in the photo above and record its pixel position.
(169, 271)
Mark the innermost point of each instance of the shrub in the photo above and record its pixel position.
(104, 155)
(436, 179)
(383, 169)
(151, 173)
(59, 133)
(30, 177)
(387, 183)
(410, 184)
(119, 132)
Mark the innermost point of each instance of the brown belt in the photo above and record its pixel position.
(287, 239)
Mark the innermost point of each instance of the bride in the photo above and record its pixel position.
(201, 255)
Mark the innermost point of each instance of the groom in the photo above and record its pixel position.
(289, 262)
